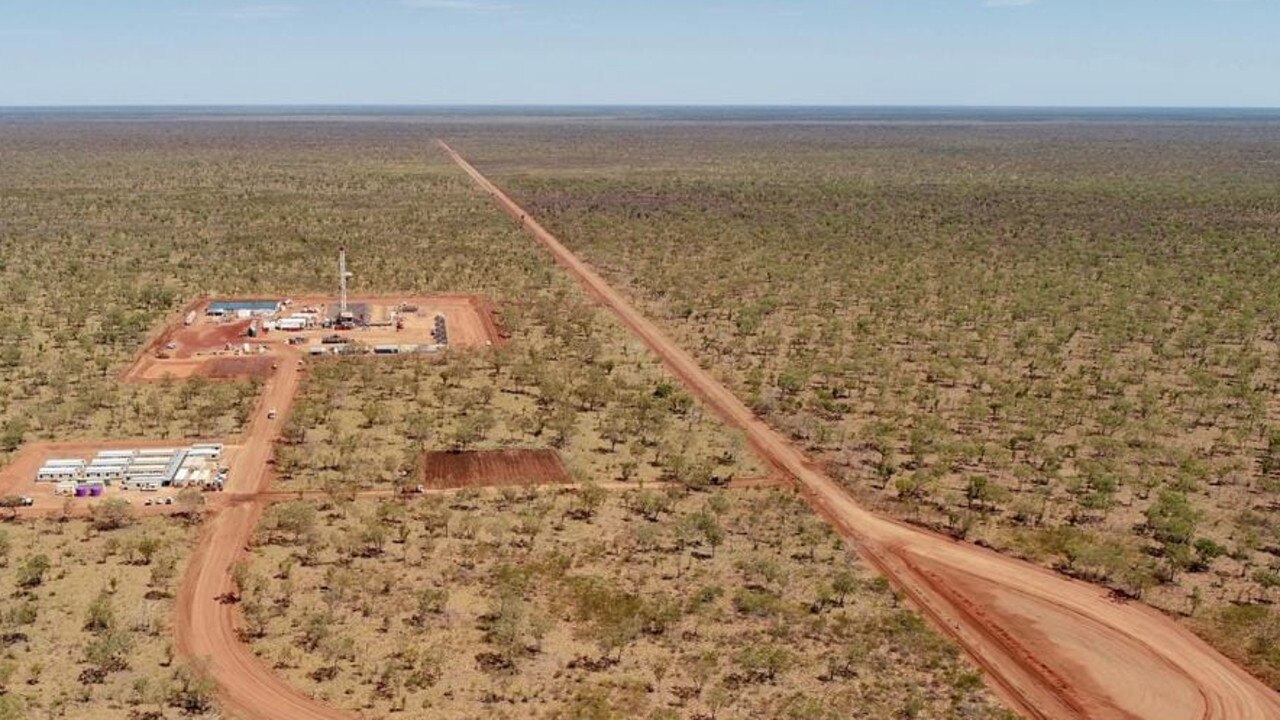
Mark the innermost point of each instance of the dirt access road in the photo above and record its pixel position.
(206, 624)
(1054, 648)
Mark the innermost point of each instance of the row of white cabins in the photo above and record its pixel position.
(142, 469)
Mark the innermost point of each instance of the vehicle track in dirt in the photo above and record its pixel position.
(206, 620)
(1054, 648)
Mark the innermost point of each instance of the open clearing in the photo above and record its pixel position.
(195, 343)
(492, 468)
(18, 477)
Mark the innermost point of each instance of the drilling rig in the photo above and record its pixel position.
(346, 319)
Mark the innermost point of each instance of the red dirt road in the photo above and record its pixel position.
(205, 625)
(1055, 648)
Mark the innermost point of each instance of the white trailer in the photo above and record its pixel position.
(72, 462)
(104, 472)
(110, 461)
(150, 483)
(58, 472)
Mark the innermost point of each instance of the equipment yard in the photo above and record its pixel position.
(228, 339)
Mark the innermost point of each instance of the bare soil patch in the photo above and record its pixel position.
(225, 368)
(492, 468)
(205, 347)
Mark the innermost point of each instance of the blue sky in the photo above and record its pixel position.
(860, 52)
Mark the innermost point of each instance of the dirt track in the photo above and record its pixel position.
(205, 625)
(1053, 647)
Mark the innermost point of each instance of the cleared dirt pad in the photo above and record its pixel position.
(492, 468)
(238, 367)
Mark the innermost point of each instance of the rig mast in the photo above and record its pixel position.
(343, 275)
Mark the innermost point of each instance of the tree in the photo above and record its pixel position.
(763, 662)
(588, 500)
(31, 572)
(843, 585)
(101, 615)
(109, 650)
(190, 503)
(193, 690)
(1172, 519)
(11, 503)
(111, 514)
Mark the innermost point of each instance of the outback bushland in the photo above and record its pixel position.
(1056, 339)
(85, 632)
(124, 223)
(552, 603)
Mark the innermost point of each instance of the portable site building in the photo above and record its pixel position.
(204, 452)
(104, 472)
(206, 446)
(116, 453)
(156, 452)
(244, 308)
(73, 462)
(149, 483)
(58, 472)
(111, 460)
(66, 487)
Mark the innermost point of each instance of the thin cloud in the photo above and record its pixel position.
(475, 6)
(261, 12)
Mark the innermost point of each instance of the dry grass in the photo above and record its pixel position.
(59, 658)
(565, 603)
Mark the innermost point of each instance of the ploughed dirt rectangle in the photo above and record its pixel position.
(225, 368)
(492, 468)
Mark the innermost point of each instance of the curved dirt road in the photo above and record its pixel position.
(1053, 647)
(205, 625)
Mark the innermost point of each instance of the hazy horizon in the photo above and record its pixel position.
(971, 53)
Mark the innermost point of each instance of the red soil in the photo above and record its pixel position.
(492, 468)
(226, 368)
